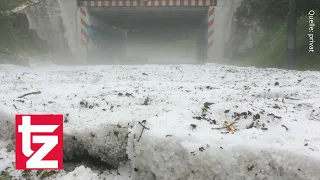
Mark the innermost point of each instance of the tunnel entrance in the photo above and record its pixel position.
(147, 34)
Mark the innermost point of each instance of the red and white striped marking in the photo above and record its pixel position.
(148, 3)
(210, 27)
(83, 25)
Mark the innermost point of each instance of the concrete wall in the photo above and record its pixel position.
(227, 40)
(224, 12)
(227, 35)
(46, 19)
(68, 13)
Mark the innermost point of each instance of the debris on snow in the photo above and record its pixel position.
(27, 94)
(247, 122)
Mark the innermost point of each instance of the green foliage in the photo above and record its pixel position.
(272, 18)
(4, 5)
(270, 52)
(270, 14)
(45, 174)
(12, 38)
(7, 5)
(5, 175)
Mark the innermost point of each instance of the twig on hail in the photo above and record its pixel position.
(227, 126)
(27, 94)
(143, 127)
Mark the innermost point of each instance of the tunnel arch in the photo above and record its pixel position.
(132, 15)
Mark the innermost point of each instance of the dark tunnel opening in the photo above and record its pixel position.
(162, 35)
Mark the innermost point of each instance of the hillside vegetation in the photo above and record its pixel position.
(271, 16)
(16, 38)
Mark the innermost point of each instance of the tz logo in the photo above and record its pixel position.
(39, 142)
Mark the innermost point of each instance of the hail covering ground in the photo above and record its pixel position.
(172, 122)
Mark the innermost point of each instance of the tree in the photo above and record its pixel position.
(271, 16)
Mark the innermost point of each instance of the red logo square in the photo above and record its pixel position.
(39, 142)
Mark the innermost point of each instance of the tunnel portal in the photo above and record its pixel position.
(149, 31)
